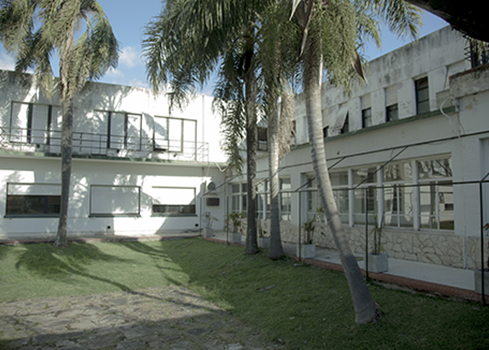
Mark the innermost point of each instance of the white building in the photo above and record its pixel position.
(138, 168)
(411, 145)
(409, 140)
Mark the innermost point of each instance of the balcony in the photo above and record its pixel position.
(103, 145)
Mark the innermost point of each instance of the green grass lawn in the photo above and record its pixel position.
(300, 306)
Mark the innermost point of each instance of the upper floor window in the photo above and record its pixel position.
(422, 96)
(262, 139)
(391, 106)
(173, 134)
(366, 117)
(366, 111)
(124, 131)
(35, 123)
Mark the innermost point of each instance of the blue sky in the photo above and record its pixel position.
(128, 19)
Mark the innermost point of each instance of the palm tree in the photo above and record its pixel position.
(329, 42)
(36, 30)
(185, 44)
(278, 37)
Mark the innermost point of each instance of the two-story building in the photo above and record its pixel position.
(406, 150)
(138, 167)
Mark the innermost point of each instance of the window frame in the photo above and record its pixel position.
(25, 197)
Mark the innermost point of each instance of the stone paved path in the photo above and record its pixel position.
(158, 318)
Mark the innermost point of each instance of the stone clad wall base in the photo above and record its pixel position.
(439, 248)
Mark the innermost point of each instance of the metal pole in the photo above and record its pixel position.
(366, 235)
(300, 223)
(482, 243)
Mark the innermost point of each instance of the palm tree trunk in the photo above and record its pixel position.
(66, 155)
(365, 308)
(251, 245)
(276, 250)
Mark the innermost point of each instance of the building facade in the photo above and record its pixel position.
(138, 167)
(406, 152)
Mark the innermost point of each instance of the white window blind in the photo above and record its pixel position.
(114, 200)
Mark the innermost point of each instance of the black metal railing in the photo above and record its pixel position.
(92, 144)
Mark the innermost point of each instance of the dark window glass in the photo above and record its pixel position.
(165, 209)
(33, 205)
(422, 96)
(392, 113)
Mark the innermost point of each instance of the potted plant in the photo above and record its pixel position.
(209, 220)
(263, 241)
(235, 218)
(306, 249)
(378, 261)
(478, 274)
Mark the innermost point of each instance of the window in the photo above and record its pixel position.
(340, 124)
(422, 96)
(33, 199)
(109, 200)
(173, 201)
(368, 179)
(366, 117)
(35, 123)
(392, 113)
(398, 198)
(262, 139)
(391, 109)
(238, 197)
(312, 197)
(263, 199)
(124, 131)
(346, 125)
(339, 182)
(436, 202)
(366, 111)
(285, 199)
(174, 135)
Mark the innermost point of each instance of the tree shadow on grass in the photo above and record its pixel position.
(59, 264)
(159, 255)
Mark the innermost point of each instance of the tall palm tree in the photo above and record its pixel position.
(185, 44)
(278, 39)
(36, 30)
(330, 30)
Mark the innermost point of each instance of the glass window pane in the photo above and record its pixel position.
(339, 178)
(363, 173)
(398, 172)
(437, 168)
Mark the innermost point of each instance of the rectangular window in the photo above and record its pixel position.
(392, 113)
(174, 134)
(263, 199)
(108, 200)
(436, 201)
(238, 197)
(173, 201)
(398, 198)
(422, 96)
(346, 125)
(364, 176)
(366, 111)
(33, 123)
(391, 109)
(339, 182)
(366, 118)
(33, 199)
(124, 131)
(262, 139)
(285, 199)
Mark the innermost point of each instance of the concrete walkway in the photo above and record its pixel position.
(156, 318)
